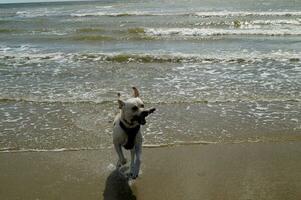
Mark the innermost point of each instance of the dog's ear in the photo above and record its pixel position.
(120, 102)
(136, 92)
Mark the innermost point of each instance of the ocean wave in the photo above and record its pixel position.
(122, 14)
(103, 101)
(51, 99)
(277, 22)
(91, 38)
(98, 12)
(206, 30)
(89, 30)
(48, 32)
(9, 31)
(152, 57)
(179, 57)
(31, 57)
(235, 27)
(27, 54)
(218, 32)
(247, 13)
(190, 13)
(83, 34)
(249, 23)
(38, 13)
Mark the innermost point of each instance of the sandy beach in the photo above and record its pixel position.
(214, 171)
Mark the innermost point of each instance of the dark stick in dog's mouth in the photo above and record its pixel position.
(141, 118)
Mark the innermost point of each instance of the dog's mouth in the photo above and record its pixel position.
(142, 121)
(141, 118)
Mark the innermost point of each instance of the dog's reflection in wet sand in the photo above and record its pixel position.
(117, 187)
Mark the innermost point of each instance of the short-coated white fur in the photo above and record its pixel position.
(130, 110)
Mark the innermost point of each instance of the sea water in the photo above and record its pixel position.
(217, 71)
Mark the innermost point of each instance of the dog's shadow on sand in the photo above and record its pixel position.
(117, 187)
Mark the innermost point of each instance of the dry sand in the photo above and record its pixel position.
(200, 172)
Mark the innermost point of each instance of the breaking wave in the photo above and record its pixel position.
(218, 32)
(278, 22)
(188, 58)
(118, 14)
(77, 100)
(248, 13)
(198, 14)
(28, 54)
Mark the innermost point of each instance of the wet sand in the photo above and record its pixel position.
(216, 171)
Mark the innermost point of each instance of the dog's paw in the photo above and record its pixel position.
(131, 176)
(121, 163)
(134, 176)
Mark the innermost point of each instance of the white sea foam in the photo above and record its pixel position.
(51, 32)
(278, 22)
(37, 13)
(102, 12)
(88, 14)
(110, 166)
(30, 54)
(119, 14)
(178, 143)
(111, 11)
(217, 32)
(249, 23)
(247, 13)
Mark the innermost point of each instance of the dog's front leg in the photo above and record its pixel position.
(121, 159)
(136, 156)
(132, 162)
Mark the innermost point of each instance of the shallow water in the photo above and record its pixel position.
(217, 71)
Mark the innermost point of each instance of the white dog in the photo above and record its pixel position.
(127, 133)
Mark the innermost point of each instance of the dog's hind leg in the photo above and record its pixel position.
(121, 158)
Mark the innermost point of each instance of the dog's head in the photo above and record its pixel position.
(133, 111)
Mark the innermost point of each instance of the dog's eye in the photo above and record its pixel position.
(135, 108)
(142, 106)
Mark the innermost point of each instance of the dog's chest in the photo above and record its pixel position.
(131, 134)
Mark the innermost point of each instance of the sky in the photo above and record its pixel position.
(24, 1)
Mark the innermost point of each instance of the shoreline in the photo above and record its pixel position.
(149, 146)
(215, 171)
